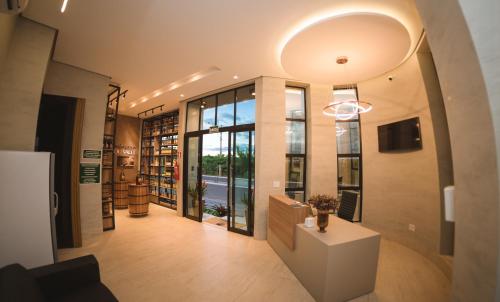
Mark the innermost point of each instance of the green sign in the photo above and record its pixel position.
(96, 154)
(90, 173)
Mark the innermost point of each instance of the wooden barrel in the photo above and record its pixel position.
(121, 195)
(138, 204)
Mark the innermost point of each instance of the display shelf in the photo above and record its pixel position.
(158, 157)
(108, 158)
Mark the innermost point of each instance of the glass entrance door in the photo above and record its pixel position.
(241, 182)
(192, 180)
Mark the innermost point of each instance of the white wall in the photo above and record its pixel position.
(463, 37)
(21, 81)
(401, 188)
(7, 26)
(270, 148)
(66, 80)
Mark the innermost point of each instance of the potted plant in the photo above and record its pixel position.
(194, 192)
(244, 200)
(323, 203)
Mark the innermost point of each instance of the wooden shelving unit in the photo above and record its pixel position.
(159, 156)
(108, 158)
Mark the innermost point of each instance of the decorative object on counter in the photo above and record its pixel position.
(138, 179)
(122, 174)
(323, 203)
(309, 223)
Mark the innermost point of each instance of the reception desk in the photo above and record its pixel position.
(338, 265)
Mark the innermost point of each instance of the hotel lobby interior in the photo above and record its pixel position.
(266, 150)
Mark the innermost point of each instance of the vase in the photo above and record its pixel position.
(122, 176)
(322, 220)
(138, 180)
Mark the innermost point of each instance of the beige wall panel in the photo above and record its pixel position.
(70, 81)
(21, 81)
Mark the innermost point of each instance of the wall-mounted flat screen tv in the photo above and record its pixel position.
(400, 136)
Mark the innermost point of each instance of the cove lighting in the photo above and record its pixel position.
(372, 9)
(63, 7)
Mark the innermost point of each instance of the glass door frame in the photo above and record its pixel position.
(232, 131)
(185, 181)
(250, 189)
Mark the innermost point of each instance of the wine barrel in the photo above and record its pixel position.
(138, 204)
(121, 195)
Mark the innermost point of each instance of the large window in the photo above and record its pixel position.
(349, 160)
(295, 104)
(226, 109)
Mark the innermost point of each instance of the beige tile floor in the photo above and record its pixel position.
(163, 257)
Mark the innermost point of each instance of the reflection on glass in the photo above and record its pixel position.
(193, 204)
(348, 168)
(296, 195)
(225, 109)
(348, 141)
(193, 116)
(239, 210)
(295, 103)
(208, 112)
(295, 137)
(346, 95)
(294, 172)
(214, 174)
(245, 106)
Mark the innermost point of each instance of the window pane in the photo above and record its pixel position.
(296, 195)
(295, 103)
(347, 137)
(295, 137)
(225, 109)
(193, 116)
(208, 112)
(245, 106)
(348, 168)
(294, 172)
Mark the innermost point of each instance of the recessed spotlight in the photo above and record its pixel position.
(235, 77)
(133, 105)
(182, 95)
(157, 94)
(63, 7)
(144, 100)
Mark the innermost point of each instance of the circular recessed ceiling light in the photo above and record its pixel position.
(235, 77)
(182, 95)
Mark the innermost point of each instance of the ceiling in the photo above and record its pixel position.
(160, 49)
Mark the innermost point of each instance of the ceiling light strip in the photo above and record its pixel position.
(177, 84)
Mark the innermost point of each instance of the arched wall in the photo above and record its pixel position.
(463, 37)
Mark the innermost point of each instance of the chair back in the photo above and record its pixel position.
(348, 204)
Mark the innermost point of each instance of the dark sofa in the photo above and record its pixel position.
(73, 280)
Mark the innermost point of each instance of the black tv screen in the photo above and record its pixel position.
(400, 136)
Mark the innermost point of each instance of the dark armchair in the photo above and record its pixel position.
(73, 280)
(348, 203)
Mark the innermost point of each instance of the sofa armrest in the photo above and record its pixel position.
(63, 277)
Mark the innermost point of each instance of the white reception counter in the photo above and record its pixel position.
(338, 265)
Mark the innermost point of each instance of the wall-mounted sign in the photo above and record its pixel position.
(126, 150)
(94, 154)
(90, 173)
(213, 129)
